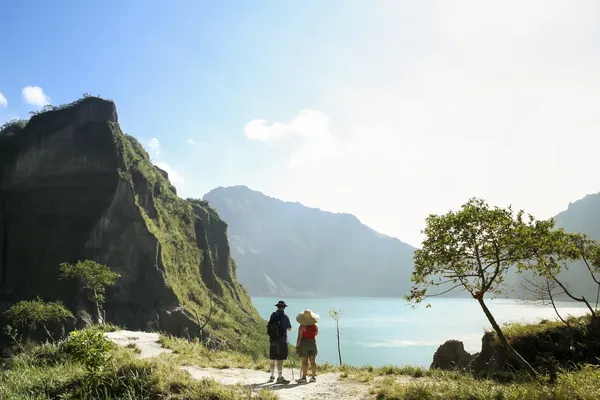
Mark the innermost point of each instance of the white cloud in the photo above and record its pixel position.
(490, 99)
(192, 142)
(3, 100)
(175, 178)
(310, 130)
(154, 145)
(35, 96)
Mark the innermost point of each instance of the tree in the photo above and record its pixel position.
(96, 277)
(472, 249)
(25, 316)
(336, 315)
(544, 289)
(557, 252)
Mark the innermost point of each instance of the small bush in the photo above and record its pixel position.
(92, 349)
(25, 316)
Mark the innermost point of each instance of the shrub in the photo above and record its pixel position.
(25, 316)
(92, 349)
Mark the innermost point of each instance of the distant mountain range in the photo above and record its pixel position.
(287, 249)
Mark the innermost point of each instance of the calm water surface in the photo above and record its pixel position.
(388, 331)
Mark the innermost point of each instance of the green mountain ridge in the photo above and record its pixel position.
(74, 187)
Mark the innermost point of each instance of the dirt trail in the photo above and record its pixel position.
(328, 386)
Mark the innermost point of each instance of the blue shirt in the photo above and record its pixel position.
(284, 323)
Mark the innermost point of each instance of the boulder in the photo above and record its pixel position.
(451, 355)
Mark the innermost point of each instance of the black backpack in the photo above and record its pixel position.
(274, 327)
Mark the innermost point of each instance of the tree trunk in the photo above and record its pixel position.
(99, 318)
(509, 349)
(337, 328)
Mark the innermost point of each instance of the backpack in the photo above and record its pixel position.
(274, 327)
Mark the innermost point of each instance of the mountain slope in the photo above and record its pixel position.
(74, 187)
(581, 216)
(284, 248)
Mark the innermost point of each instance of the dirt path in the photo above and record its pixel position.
(328, 386)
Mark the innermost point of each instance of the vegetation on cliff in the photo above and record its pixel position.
(186, 259)
(173, 255)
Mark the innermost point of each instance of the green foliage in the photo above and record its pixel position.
(92, 349)
(12, 127)
(95, 276)
(51, 371)
(473, 249)
(26, 314)
(580, 384)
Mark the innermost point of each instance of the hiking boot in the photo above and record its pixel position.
(282, 380)
(301, 380)
(313, 378)
(271, 379)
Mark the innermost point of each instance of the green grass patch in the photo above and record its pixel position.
(583, 384)
(49, 372)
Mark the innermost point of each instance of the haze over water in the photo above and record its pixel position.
(378, 332)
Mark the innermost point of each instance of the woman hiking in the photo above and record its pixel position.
(306, 346)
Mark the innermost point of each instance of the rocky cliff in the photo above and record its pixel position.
(285, 249)
(73, 187)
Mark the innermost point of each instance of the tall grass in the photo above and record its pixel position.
(47, 372)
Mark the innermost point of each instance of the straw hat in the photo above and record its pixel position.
(307, 317)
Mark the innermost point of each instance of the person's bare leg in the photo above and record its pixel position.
(313, 365)
(279, 368)
(304, 367)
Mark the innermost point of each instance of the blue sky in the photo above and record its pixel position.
(389, 110)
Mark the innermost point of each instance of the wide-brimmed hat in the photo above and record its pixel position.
(281, 303)
(307, 317)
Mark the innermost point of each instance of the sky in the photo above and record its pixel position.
(390, 110)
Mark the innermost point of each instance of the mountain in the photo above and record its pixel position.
(287, 249)
(74, 187)
(581, 216)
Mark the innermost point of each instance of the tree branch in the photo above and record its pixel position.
(581, 299)
(444, 292)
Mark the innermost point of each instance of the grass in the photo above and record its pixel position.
(516, 330)
(583, 384)
(48, 372)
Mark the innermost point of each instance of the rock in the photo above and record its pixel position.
(451, 355)
(74, 187)
(491, 357)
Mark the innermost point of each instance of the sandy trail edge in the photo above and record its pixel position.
(328, 386)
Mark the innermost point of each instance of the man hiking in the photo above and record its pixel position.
(277, 329)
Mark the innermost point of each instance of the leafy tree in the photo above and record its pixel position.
(96, 277)
(25, 316)
(472, 249)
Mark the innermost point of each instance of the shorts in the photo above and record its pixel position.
(278, 350)
(308, 348)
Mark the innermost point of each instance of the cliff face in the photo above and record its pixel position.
(288, 249)
(74, 187)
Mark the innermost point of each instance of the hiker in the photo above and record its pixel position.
(306, 346)
(277, 329)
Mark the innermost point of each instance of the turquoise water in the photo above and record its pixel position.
(387, 331)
